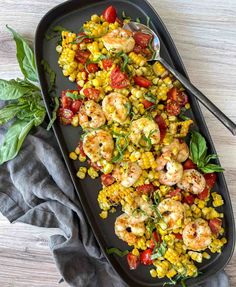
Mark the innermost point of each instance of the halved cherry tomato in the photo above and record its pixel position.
(110, 14)
(174, 192)
(177, 96)
(107, 64)
(189, 199)
(82, 56)
(178, 236)
(133, 261)
(215, 225)
(143, 51)
(92, 67)
(119, 80)
(146, 188)
(154, 240)
(173, 108)
(188, 164)
(142, 82)
(204, 194)
(91, 93)
(145, 257)
(76, 106)
(147, 104)
(210, 179)
(81, 149)
(66, 102)
(142, 39)
(162, 126)
(107, 179)
(65, 116)
(85, 40)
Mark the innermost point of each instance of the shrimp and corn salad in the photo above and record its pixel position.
(131, 112)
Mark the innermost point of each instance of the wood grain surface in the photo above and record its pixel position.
(205, 35)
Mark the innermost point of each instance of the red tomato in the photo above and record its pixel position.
(147, 104)
(82, 56)
(133, 261)
(142, 39)
(215, 225)
(79, 87)
(162, 126)
(85, 40)
(119, 21)
(110, 14)
(178, 236)
(119, 80)
(92, 68)
(107, 179)
(173, 108)
(143, 51)
(142, 82)
(65, 116)
(76, 106)
(66, 102)
(204, 194)
(188, 164)
(81, 149)
(107, 64)
(177, 96)
(145, 257)
(189, 199)
(210, 179)
(146, 188)
(154, 240)
(174, 192)
(91, 93)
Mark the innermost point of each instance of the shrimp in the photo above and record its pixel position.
(197, 235)
(173, 212)
(129, 174)
(192, 181)
(91, 115)
(144, 130)
(98, 144)
(119, 40)
(139, 211)
(173, 174)
(116, 107)
(127, 231)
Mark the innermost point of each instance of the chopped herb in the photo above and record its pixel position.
(121, 149)
(117, 251)
(125, 17)
(74, 97)
(150, 97)
(54, 113)
(138, 20)
(128, 107)
(161, 250)
(55, 32)
(156, 198)
(148, 21)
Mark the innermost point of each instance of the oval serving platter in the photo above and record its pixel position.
(71, 15)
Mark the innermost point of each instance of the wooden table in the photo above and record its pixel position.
(205, 34)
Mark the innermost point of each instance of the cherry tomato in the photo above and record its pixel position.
(210, 179)
(188, 164)
(162, 126)
(143, 51)
(146, 188)
(142, 39)
(142, 82)
(79, 87)
(133, 261)
(154, 240)
(81, 149)
(92, 68)
(76, 106)
(91, 93)
(107, 179)
(177, 96)
(145, 257)
(204, 194)
(82, 56)
(189, 199)
(66, 102)
(174, 192)
(110, 14)
(107, 64)
(147, 104)
(178, 236)
(173, 108)
(65, 116)
(119, 80)
(215, 225)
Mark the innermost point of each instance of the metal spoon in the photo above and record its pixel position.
(135, 27)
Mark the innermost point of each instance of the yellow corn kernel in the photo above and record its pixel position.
(217, 199)
(153, 273)
(77, 150)
(135, 252)
(108, 168)
(82, 158)
(158, 68)
(196, 256)
(92, 172)
(75, 121)
(206, 255)
(137, 59)
(171, 273)
(73, 155)
(103, 214)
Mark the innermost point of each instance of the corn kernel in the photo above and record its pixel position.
(153, 273)
(73, 155)
(103, 214)
(135, 252)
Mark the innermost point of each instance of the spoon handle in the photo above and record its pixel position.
(199, 95)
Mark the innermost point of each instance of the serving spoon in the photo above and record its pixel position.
(138, 27)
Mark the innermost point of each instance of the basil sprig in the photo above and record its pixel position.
(198, 154)
(117, 251)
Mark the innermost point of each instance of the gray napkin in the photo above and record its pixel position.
(35, 188)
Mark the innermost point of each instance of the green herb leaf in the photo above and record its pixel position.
(74, 97)
(150, 97)
(117, 251)
(125, 17)
(25, 57)
(54, 32)
(51, 74)
(121, 148)
(54, 113)
(160, 252)
(138, 20)
(8, 112)
(211, 168)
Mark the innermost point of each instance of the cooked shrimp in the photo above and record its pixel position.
(127, 231)
(173, 212)
(178, 149)
(139, 211)
(144, 128)
(98, 144)
(197, 235)
(116, 107)
(91, 115)
(129, 174)
(119, 40)
(173, 173)
(192, 181)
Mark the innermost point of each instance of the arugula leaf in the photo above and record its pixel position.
(54, 113)
(52, 75)
(8, 112)
(117, 251)
(25, 57)
(161, 250)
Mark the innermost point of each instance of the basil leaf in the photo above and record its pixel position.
(54, 113)
(117, 251)
(52, 75)
(8, 112)
(161, 251)
(54, 32)
(198, 148)
(150, 97)
(209, 157)
(25, 57)
(74, 97)
(14, 139)
(211, 168)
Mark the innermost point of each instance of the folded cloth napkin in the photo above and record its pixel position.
(35, 188)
